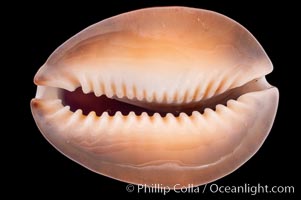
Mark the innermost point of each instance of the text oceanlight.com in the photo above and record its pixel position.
(250, 189)
(211, 188)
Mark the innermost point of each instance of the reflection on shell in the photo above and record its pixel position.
(167, 96)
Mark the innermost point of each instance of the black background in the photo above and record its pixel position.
(33, 33)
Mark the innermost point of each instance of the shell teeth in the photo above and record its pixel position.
(189, 92)
(118, 115)
(139, 95)
(196, 94)
(156, 116)
(131, 118)
(165, 96)
(63, 111)
(169, 99)
(209, 112)
(208, 90)
(170, 119)
(91, 116)
(219, 108)
(180, 97)
(119, 92)
(216, 88)
(86, 86)
(56, 106)
(129, 92)
(108, 91)
(158, 98)
(78, 112)
(75, 117)
(169, 115)
(196, 114)
(97, 93)
(130, 95)
(189, 97)
(183, 116)
(131, 114)
(70, 86)
(144, 116)
(118, 118)
(104, 115)
(97, 87)
(150, 97)
(104, 85)
(213, 89)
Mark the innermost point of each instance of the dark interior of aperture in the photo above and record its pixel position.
(89, 102)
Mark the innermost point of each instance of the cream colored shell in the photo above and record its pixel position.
(163, 59)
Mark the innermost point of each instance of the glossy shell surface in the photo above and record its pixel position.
(190, 99)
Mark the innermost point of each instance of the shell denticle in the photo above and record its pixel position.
(170, 95)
